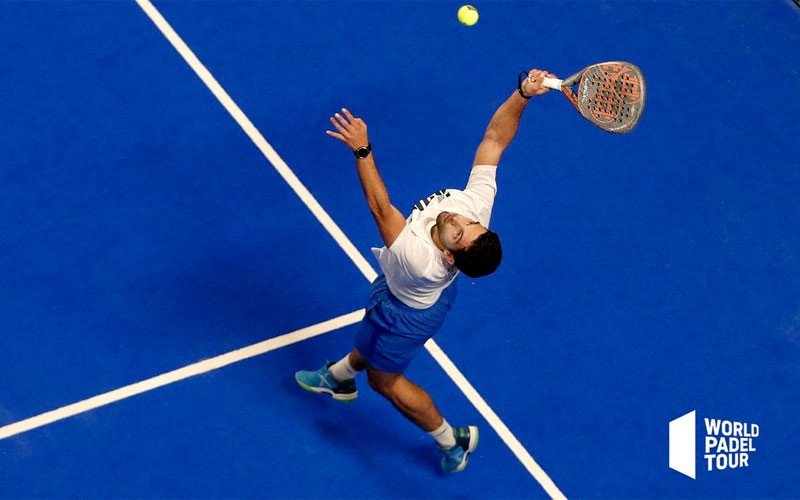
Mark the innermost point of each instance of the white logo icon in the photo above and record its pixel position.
(682, 445)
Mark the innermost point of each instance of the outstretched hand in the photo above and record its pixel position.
(351, 130)
(532, 85)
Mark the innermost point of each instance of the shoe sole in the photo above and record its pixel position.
(345, 398)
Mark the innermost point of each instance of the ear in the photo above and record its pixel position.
(448, 256)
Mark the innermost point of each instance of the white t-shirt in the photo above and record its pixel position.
(415, 269)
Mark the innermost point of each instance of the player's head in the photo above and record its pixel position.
(482, 257)
(471, 247)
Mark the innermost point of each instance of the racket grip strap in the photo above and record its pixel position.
(520, 78)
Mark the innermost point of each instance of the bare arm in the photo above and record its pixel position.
(353, 132)
(505, 122)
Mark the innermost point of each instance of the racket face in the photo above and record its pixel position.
(612, 95)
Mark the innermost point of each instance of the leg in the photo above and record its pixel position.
(416, 405)
(410, 399)
(348, 367)
(357, 361)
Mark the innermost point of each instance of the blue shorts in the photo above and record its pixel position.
(392, 333)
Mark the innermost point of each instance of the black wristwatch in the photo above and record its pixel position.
(363, 151)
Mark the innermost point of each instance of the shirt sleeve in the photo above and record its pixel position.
(482, 187)
(482, 183)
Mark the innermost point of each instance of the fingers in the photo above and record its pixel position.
(347, 125)
(340, 124)
(349, 129)
(348, 120)
(534, 83)
(538, 75)
(334, 134)
(348, 115)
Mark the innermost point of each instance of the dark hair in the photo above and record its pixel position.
(482, 257)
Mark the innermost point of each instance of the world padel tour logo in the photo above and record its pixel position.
(726, 444)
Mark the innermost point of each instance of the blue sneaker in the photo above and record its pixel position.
(322, 382)
(455, 459)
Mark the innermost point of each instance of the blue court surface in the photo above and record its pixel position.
(143, 230)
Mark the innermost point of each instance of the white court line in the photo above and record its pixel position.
(502, 430)
(223, 360)
(261, 143)
(192, 370)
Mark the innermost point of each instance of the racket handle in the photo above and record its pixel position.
(552, 83)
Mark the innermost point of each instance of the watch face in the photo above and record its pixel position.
(362, 152)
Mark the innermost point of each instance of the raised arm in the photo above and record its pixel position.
(353, 132)
(505, 122)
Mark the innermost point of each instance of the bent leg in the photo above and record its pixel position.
(410, 399)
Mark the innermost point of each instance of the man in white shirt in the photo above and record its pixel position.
(445, 233)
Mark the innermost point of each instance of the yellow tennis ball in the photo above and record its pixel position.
(468, 15)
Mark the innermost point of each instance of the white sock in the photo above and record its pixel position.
(444, 436)
(342, 370)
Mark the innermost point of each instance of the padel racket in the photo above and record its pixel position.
(611, 95)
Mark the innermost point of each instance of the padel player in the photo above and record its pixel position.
(445, 233)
